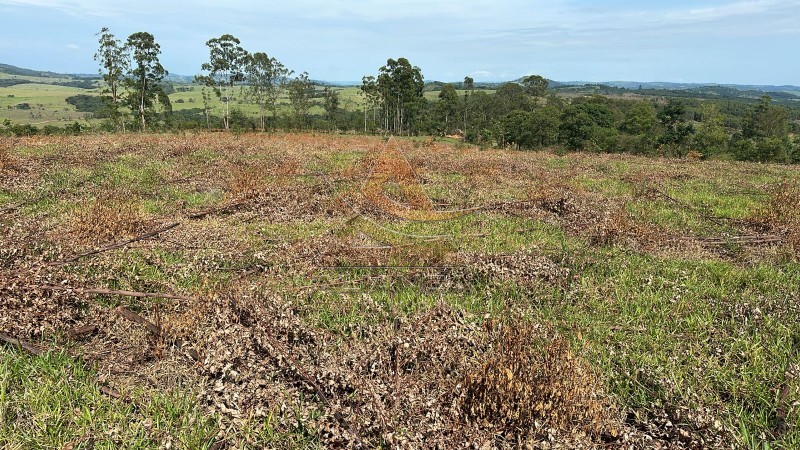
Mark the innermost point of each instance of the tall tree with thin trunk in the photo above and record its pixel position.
(145, 75)
(400, 87)
(113, 60)
(266, 78)
(207, 106)
(448, 105)
(369, 90)
(469, 88)
(226, 67)
(301, 91)
(331, 105)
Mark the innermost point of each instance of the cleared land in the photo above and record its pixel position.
(590, 301)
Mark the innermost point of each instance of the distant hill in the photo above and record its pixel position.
(680, 86)
(18, 75)
(22, 72)
(785, 92)
(19, 71)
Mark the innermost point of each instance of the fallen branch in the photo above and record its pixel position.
(50, 287)
(388, 267)
(745, 239)
(133, 317)
(339, 283)
(303, 374)
(30, 348)
(218, 209)
(117, 245)
(78, 332)
(704, 214)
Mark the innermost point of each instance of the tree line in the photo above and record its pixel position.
(524, 115)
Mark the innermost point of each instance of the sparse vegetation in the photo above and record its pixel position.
(211, 291)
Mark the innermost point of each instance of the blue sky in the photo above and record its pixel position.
(746, 41)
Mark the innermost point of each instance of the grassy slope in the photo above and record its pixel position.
(48, 105)
(703, 338)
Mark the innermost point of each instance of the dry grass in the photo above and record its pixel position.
(531, 380)
(247, 181)
(111, 216)
(7, 160)
(782, 213)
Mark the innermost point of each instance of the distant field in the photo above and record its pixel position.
(48, 105)
(249, 291)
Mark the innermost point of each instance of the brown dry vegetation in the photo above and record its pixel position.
(300, 303)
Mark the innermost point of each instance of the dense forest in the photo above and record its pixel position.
(528, 114)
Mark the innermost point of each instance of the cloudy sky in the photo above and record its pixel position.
(746, 41)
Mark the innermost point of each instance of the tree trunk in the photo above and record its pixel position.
(141, 104)
(261, 115)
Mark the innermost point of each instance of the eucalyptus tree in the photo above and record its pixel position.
(447, 105)
(400, 86)
(226, 67)
(469, 88)
(331, 105)
(113, 59)
(145, 75)
(535, 85)
(369, 90)
(266, 78)
(301, 91)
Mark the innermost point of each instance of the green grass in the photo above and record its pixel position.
(685, 333)
(50, 401)
(48, 104)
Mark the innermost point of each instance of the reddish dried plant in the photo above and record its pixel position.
(531, 380)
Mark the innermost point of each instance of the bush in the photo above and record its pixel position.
(50, 130)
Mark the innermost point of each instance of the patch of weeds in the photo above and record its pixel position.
(6, 197)
(204, 156)
(172, 200)
(288, 232)
(38, 151)
(558, 162)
